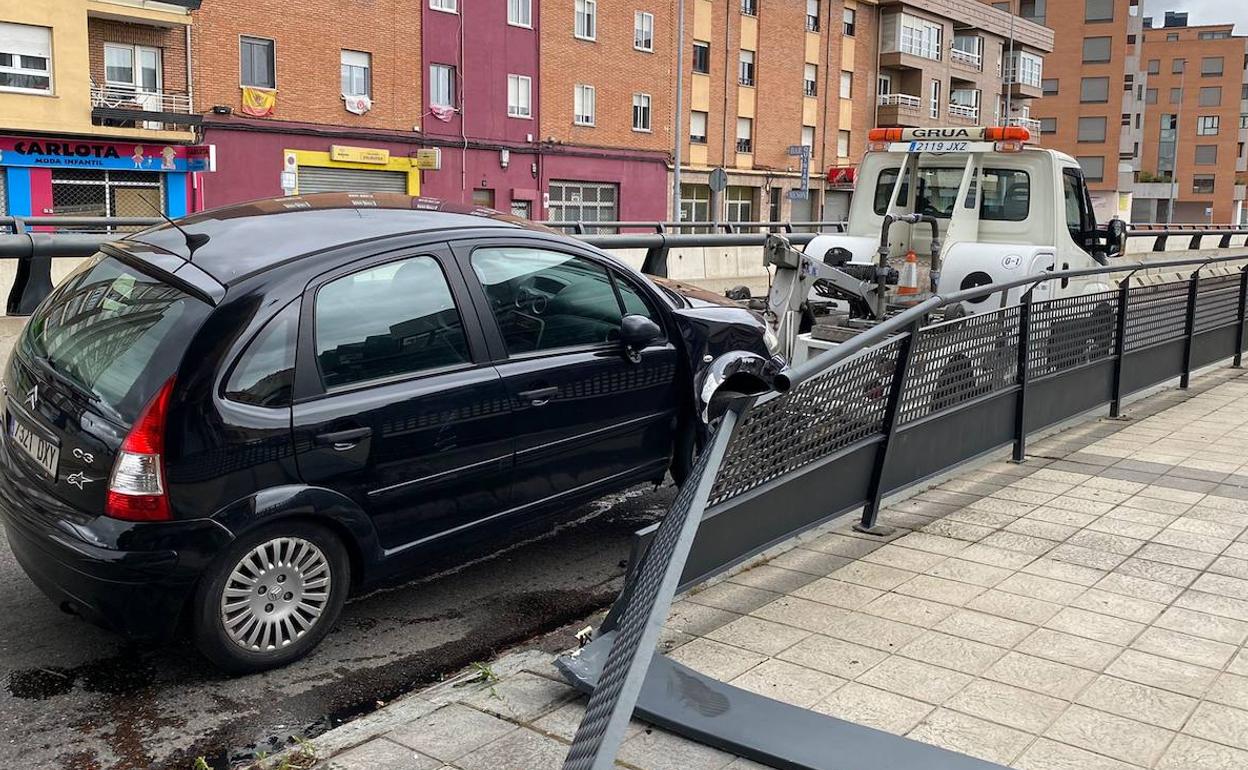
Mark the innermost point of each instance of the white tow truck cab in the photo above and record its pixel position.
(976, 206)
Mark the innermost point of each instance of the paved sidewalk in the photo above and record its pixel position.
(1085, 610)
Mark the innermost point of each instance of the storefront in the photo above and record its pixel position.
(92, 178)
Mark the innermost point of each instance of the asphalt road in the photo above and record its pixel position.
(75, 697)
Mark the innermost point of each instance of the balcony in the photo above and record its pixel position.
(1030, 124)
(900, 110)
(127, 106)
(966, 59)
(964, 113)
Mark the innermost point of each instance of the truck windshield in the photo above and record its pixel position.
(1007, 192)
(114, 333)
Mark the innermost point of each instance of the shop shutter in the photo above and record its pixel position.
(313, 179)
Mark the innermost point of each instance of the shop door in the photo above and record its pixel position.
(314, 179)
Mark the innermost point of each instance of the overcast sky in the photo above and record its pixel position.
(1202, 11)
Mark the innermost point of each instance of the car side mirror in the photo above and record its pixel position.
(636, 332)
(1116, 237)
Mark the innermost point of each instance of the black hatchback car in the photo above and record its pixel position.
(231, 424)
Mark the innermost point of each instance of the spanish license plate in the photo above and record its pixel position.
(939, 146)
(45, 453)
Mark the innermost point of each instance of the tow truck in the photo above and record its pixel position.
(982, 205)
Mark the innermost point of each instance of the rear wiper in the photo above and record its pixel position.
(66, 380)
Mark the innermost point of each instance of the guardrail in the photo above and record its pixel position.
(900, 403)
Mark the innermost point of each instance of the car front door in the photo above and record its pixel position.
(397, 405)
(585, 414)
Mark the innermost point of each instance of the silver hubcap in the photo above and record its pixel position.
(275, 594)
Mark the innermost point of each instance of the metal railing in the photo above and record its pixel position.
(968, 58)
(907, 400)
(963, 111)
(1031, 124)
(115, 96)
(899, 100)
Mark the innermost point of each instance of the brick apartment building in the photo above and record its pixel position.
(1195, 124)
(95, 113)
(1093, 89)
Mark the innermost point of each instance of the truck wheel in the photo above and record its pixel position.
(956, 379)
(271, 596)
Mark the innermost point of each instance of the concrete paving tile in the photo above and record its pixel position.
(519, 750)
(1187, 753)
(1024, 544)
(1123, 474)
(908, 609)
(1222, 585)
(874, 707)
(1047, 530)
(758, 635)
(1191, 542)
(1098, 495)
(564, 721)
(833, 656)
(1166, 673)
(958, 530)
(977, 518)
(772, 578)
(1047, 677)
(838, 593)
(1086, 557)
(1118, 605)
(1237, 550)
(1069, 649)
(893, 555)
(1007, 705)
(715, 659)
(788, 683)
(971, 736)
(732, 597)
(655, 749)
(450, 732)
(521, 697)
(915, 679)
(1143, 518)
(1137, 701)
(963, 571)
(1041, 485)
(1156, 505)
(925, 541)
(1067, 477)
(1139, 588)
(1021, 495)
(1064, 571)
(953, 652)
(1170, 554)
(1220, 724)
(1158, 571)
(874, 575)
(1204, 625)
(1207, 528)
(997, 557)
(982, 627)
(1045, 754)
(993, 505)
(873, 631)
(1043, 588)
(381, 754)
(1237, 502)
(1226, 606)
(1121, 527)
(939, 590)
(1061, 517)
(841, 545)
(1184, 647)
(1021, 608)
(1229, 690)
(1103, 541)
(810, 562)
(802, 613)
(1115, 736)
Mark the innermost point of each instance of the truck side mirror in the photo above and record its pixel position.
(1116, 237)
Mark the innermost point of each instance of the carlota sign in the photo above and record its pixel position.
(65, 153)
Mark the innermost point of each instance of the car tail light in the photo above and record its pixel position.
(136, 488)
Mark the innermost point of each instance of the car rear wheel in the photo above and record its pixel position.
(271, 597)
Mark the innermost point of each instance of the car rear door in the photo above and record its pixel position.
(397, 405)
(583, 413)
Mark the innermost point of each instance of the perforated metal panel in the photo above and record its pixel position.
(960, 360)
(810, 422)
(1070, 331)
(1217, 302)
(1156, 314)
(313, 180)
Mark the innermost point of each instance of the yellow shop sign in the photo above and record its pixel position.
(359, 154)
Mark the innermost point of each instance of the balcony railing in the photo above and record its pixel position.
(900, 100)
(968, 58)
(744, 146)
(119, 97)
(1031, 124)
(963, 111)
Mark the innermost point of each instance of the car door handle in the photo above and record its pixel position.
(343, 439)
(539, 396)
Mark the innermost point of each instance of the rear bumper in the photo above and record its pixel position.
(131, 578)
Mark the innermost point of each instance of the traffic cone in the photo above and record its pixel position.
(908, 284)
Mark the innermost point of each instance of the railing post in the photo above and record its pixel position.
(892, 410)
(1189, 328)
(1024, 350)
(1120, 344)
(1239, 327)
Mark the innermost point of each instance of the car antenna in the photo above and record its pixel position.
(193, 241)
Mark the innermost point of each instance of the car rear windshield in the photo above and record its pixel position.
(114, 333)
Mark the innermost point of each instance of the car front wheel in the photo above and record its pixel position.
(271, 596)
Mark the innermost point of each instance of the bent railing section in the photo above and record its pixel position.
(903, 402)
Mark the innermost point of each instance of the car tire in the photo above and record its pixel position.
(271, 597)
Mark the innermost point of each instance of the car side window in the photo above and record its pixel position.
(544, 300)
(392, 319)
(265, 373)
(1076, 216)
